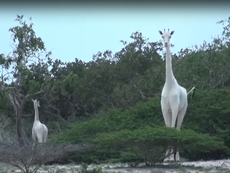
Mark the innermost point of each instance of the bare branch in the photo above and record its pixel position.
(141, 93)
(56, 116)
(221, 78)
(27, 115)
(28, 159)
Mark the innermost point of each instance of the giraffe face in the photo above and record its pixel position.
(36, 102)
(166, 36)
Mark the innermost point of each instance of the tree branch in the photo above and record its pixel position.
(141, 93)
(56, 116)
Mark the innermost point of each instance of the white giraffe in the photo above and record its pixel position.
(39, 130)
(173, 97)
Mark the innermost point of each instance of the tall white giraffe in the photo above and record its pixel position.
(173, 97)
(39, 130)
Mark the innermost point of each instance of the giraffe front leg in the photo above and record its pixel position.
(171, 157)
(174, 116)
(167, 156)
(177, 156)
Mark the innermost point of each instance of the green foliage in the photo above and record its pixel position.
(143, 114)
(209, 113)
(138, 131)
(149, 144)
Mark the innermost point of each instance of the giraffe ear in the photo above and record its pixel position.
(172, 33)
(160, 32)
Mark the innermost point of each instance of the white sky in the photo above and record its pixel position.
(80, 32)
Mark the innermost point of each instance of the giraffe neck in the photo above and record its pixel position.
(170, 79)
(36, 117)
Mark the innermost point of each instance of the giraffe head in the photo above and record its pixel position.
(166, 36)
(36, 102)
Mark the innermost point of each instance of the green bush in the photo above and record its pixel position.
(147, 113)
(204, 134)
(149, 144)
(209, 112)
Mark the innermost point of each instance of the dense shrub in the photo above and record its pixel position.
(136, 133)
(149, 144)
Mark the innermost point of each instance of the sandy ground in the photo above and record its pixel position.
(219, 166)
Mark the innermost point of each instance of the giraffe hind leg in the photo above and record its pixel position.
(168, 119)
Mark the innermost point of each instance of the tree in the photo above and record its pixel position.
(27, 47)
(206, 66)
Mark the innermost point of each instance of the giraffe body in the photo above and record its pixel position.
(39, 130)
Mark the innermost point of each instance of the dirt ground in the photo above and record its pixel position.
(218, 166)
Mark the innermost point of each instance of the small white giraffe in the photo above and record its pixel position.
(39, 130)
(173, 97)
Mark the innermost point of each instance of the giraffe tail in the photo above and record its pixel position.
(192, 91)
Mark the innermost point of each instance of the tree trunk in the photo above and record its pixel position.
(19, 127)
